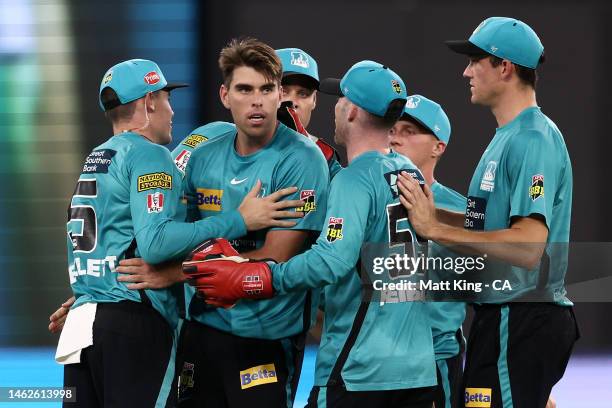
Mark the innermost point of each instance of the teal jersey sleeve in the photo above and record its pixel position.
(307, 170)
(153, 186)
(530, 169)
(338, 247)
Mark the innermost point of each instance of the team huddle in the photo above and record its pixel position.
(197, 274)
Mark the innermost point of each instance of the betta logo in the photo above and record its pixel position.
(152, 78)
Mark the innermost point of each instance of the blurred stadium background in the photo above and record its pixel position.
(53, 54)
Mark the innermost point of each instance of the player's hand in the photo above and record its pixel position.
(58, 318)
(419, 202)
(223, 277)
(551, 403)
(265, 212)
(140, 275)
(287, 115)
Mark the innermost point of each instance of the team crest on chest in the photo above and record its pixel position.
(488, 178)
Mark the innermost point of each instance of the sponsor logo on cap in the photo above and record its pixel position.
(209, 199)
(155, 203)
(478, 397)
(537, 187)
(194, 140)
(152, 78)
(263, 374)
(413, 102)
(154, 180)
(299, 59)
(310, 201)
(334, 229)
(396, 86)
(494, 48)
(107, 78)
(436, 128)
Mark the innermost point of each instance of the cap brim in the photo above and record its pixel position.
(464, 47)
(292, 78)
(174, 85)
(330, 86)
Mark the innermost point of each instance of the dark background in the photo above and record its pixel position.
(405, 35)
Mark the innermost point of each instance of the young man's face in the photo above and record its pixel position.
(303, 97)
(484, 79)
(253, 100)
(408, 139)
(161, 118)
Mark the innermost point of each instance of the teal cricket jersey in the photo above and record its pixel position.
(525, 171)
(182, 152)
(372, 347)
(127, 194)
(217, 180)
(446, 317)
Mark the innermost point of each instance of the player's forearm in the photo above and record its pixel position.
(510, 245)
(170, 240)
(451, 218)
(308, 271)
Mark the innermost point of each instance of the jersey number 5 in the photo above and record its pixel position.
(84, 238)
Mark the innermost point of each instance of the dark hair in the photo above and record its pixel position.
(528, 76)
(394, 112)
(249, 52)
(120, 112)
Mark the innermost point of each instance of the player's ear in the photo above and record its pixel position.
(314, 99)
(149, 102)
(352, 113)
(224, 96)
(438, 149)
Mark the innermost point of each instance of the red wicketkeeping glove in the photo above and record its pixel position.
(224, 279)
(289, 117)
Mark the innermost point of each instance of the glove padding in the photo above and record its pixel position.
(287, 115)
(223, 277)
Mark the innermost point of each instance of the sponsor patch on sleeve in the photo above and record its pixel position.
(181, 160)
(194, 140)
(537, 187)
(155, 203)
(310, 201)
(98, 161)
(254, 376)
(334, 229)
(154, 180)
(478, 397)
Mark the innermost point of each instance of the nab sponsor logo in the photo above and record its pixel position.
(152, 78)
(209, 199)
(263, 374)
(478, 397)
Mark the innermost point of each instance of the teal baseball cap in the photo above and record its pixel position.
(429, 114)
(299, 62)
(503, 37)
(132, 80)
(371, 86)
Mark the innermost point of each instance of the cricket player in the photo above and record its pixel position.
(117, 343)
(370, 355)
(300, 83)
(422, 134)
(225, 351)
(519, 202)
